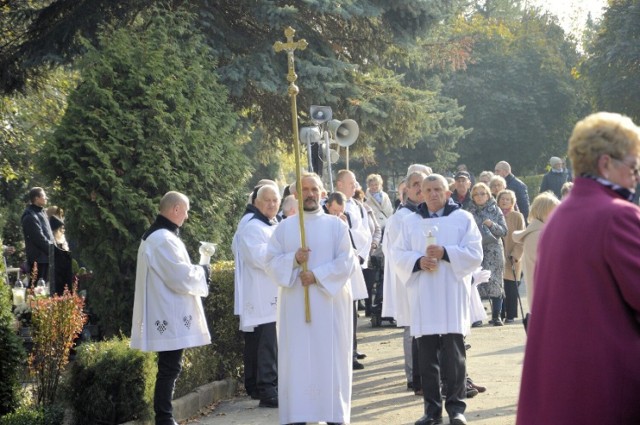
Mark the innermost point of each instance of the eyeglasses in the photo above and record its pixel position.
(480, 194)
(635, 168)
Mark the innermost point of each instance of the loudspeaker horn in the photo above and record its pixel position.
(310, 135)
(345, 133)
(320, 114)
(333, 155)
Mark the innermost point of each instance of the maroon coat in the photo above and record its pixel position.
(582, 360)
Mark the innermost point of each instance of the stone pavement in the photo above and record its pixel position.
(379, 391)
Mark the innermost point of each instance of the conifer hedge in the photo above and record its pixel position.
(148, 116)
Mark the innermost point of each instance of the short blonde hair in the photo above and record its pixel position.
(542, 206)
(374, 178)
(478, 186)
(602, 133)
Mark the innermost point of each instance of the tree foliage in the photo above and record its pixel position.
(147, 117)
(612, 68)
(519, 93)
(349, 64)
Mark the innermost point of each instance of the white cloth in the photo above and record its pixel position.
(259, 293)
(476, 309)
(237, 275)
(167, 308)
(360, 231)
(439, 299)
(314, 359)
(394, 295)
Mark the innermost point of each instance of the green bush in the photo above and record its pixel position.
(223, 358)
(533, 185)
(109, 383)
(50, 415)
(12, 353)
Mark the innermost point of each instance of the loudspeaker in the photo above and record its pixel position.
(320, 114)
(345, 133)
(333, 155)
(310, 135)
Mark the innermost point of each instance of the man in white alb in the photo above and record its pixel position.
(314, 359)
(259, 298)
(439, 248)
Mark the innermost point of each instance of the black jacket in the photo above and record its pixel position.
(37, 234)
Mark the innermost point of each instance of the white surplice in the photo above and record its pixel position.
(237, 293)
(314, 359)
(394, 296)
(259, 294)
(439, 300)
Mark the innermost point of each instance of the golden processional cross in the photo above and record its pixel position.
(290, 46)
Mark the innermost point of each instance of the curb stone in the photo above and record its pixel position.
(190, 404)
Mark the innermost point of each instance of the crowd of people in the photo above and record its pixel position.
(414, 261)
(306, 256)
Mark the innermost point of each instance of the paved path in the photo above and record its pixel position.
(379, 391)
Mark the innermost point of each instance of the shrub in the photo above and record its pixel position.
(55, 323)
(109, 383)
(223, 358)
(533, 185)
(49, 415)
(11, 351)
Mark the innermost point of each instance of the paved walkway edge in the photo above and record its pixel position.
(189, 405)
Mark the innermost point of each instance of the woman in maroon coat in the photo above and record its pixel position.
(582, 360)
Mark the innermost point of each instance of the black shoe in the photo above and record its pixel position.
(509, 321)
(498, 322)
(457, 419)
(429, 420)
(477, 324)
(360, 356)
(269, 402)
(357, 365)
(471, 392)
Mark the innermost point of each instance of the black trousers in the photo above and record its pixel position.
(169, 367)
(510, 305)
(415, 359)
(260, 358)
(444, 352)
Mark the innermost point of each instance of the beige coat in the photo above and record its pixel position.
(515, 221)
(529, 240)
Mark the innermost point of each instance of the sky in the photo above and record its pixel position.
(573, 13)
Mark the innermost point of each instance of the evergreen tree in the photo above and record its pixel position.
(612, 68)
(147, 117)
(349, 64)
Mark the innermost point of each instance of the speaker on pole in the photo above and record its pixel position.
(345, 133)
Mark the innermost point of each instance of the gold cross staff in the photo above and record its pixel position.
(290, 46)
